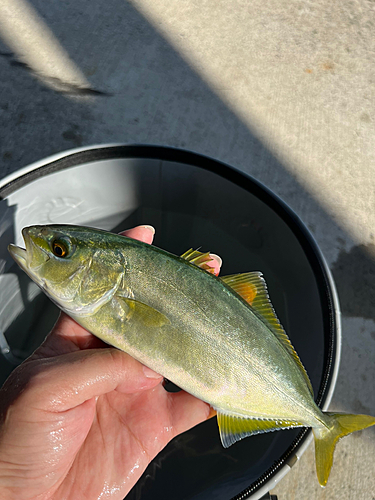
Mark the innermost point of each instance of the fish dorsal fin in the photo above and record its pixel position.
(245, 284)
(262, 305)
(233, 428)
(199, 259)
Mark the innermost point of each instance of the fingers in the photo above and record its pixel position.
(66, 336)
(64, 382)
(186, 411)
(141, 233)
(215, 263)
(146, 234)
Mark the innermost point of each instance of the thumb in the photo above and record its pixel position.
(64, 382)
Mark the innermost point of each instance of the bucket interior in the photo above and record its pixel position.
(192, 202)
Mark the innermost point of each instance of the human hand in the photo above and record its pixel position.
(79, 419)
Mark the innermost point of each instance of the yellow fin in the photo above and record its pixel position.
(234, 428)
(326, 439)
(244, 284)
(199, 259)
(262, 305)
(133, 310)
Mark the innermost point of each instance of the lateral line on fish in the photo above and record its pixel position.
(256, 363)
(184, 295)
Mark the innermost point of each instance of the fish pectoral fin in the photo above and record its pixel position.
(133, 310)
(233, 428)
(199, 259)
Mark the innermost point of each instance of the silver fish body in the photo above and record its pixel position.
(213, 344)
(199, 331)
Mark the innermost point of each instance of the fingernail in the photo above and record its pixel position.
(150, 228)
(150, 373)
(217, 258)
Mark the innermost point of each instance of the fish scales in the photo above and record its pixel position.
(235, 358)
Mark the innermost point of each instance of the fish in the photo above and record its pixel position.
(217, 338)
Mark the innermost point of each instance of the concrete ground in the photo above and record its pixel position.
(283, 90)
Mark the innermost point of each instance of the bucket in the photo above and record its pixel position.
(192, 201)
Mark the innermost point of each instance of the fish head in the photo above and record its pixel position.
(72, 265)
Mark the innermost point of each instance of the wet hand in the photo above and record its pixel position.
(79, 419)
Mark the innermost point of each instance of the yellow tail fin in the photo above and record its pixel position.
(326, 439)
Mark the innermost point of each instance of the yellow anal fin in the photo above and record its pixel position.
(233, 429)
(326, 439)
(245, 284)
(261, 304)
(133, 310)
(199, 259)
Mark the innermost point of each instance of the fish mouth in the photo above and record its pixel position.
(24, 256)
(18, 254)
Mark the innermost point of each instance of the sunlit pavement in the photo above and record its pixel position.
(283, 90)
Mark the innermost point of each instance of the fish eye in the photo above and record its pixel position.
(60, 248)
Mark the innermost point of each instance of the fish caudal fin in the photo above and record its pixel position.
(326, 439)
